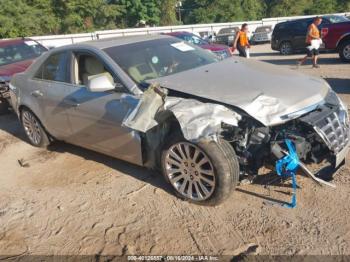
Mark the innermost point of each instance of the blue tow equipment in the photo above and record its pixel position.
(287, 167)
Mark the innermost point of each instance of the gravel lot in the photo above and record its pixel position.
(68, 201)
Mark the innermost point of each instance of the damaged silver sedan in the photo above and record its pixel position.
(168, 105)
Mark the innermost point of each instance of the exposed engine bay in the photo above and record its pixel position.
(320, 135)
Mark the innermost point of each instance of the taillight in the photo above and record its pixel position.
(324, 32)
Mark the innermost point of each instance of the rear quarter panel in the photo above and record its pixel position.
(22, 87)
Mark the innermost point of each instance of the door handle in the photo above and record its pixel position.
(37, 93)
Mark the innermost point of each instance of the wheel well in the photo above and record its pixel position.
(22, 107)
(285, 41)
(344, 39)
(153, 141)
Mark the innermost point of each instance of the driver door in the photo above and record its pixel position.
(96, 117)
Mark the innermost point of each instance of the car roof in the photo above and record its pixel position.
(9, 42)
(307, 19)
(123, 40)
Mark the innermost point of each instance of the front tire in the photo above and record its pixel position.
(286, 48)
(33, 129)
(203, 173)
(344, 51)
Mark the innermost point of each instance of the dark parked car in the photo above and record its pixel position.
(221, 51)
(289, 37)
(226, 35)
(16, 56)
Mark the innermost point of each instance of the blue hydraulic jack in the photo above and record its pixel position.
(287, 167)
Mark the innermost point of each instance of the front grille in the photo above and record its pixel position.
(334, 130)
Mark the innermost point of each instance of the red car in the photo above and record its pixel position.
(16, 55)
(222, 51)
(337, 37)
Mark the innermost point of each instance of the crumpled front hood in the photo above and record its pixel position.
(264, 91)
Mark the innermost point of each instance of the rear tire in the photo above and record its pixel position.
(33, 129)
(286, 48)
(203, 173)
(344, 51)
(4, 106)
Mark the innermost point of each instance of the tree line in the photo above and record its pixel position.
(43, 17)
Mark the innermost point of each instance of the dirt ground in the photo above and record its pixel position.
(68, 201)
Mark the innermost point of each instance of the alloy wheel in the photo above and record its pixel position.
(190, 171)
(286, 48)
(346, 51)
(31, 127)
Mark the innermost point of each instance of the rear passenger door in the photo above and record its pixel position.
(55, 83)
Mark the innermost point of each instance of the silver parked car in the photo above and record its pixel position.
(158, 102)
(262, 34)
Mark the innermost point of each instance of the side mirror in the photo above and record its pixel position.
(100, 83)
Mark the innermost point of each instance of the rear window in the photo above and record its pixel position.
(281, 26)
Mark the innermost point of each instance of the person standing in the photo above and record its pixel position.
(241, 42)
(314, 40)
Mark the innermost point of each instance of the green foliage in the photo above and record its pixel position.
(40, 17)
(17, 18)
(288, 7)
(136, 10)
(168, 12)
(81, 15)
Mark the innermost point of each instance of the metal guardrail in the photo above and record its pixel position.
(59, 40)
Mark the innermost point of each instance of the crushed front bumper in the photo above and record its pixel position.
(332, 125)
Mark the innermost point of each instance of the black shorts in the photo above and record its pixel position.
(313, 52)
(241, 50)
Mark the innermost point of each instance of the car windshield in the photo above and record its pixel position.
(231, 30)
(152, 59)
(19, 52)
(337, 19)
(264, 29)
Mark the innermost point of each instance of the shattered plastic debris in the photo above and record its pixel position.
(142, 117)
(197, 119)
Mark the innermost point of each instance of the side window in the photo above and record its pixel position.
(302, 27)
(87, 65)
(55, 68)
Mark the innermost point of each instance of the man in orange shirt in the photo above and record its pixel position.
(241, 41)
(313, 33)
